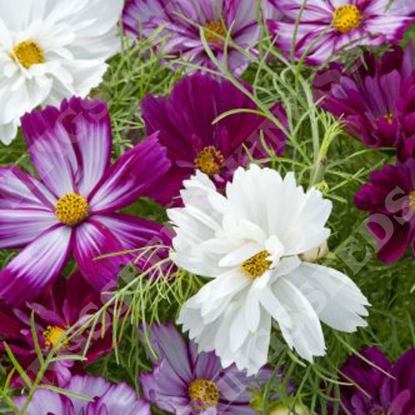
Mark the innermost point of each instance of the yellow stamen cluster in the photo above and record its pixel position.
(215, 32)
(204, 394)
(412, 200)
(210, 161)
(72, 209)
(29, 53)
(390, 118)
(346, 18)
(256, 266)
(54, 335)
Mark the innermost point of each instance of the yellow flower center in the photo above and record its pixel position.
(390, 118)
(412, 200)
(29, 53)
(54, 335)
(210, 161)
(256, 266)
(346, 18)
(204, 394)
(215, 32)
(72, 209)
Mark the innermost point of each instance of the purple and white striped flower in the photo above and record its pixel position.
(327, 27)
(105, 399)
(181, 22)
(71, 208)
(186, 382)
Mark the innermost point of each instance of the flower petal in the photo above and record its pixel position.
(36, 266)
(92, 241)
(336, 299)
(130, 177)
(305, 335)
(70, 146)
(21, 227)
(19, 190)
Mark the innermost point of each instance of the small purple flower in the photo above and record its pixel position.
(373, 391)
(72, 207)
(186, 382)
(369, 97)
(105, 399)
(182, 20)
(185, 122)
(389, 197)
(59, 309)
(328, 26)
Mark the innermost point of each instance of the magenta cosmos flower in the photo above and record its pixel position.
(105, 399)
(328, 26)
(371, 96)
(59, 309)
(71, 207)
(185, 382)
(389, 197)
(182, 20)
(372, 390)
(185, 122)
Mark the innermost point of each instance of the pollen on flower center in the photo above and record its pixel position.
(412, 200)
(54, 335)
(347, 18)
(390, 118)
(215, 32)
(29, 53)
(204, 394)
(256, 266)
(210, 161)
(72, 209)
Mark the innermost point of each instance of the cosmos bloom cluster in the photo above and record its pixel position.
(249, 233)
(375, 98)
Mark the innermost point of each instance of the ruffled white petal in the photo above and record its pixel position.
(336, 299)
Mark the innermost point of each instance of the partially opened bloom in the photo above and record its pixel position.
(327, 27)
(249, 242)
(389, 197)
(104, 399)
(186, 382)
(376, 386)
(51, 50)
(72, 207)
(181, 22)
(68, 304)
(370, 95)
(186, 124)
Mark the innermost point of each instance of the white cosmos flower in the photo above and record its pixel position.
(250, 243)
(50, 50)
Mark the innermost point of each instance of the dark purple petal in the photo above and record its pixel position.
(149, 241)
(134, 173)
(92, 241)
